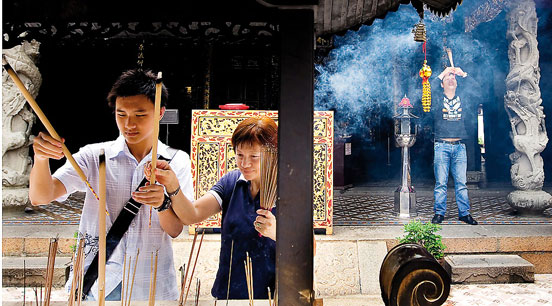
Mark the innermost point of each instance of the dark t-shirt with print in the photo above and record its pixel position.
(449, 117)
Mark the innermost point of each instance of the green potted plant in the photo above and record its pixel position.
(425, 235)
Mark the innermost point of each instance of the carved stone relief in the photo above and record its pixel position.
(17, 120)
(523, 105)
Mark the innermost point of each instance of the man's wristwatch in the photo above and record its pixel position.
(172, 194)
(166, 204)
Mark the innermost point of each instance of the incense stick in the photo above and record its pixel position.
(195, 262)
(153, 281)
(24, 284)
(81, 276)
(198, 287)
(183, 286)
(151, 277)
(133, 276)
(251, 279)
(123, 281)
(35, 289)
(76, 271)
(182, 270)
(247, 280)
(229, 272)
(50, 270)
(155, 134)
(15, 78)
(102, 230)
(269, 297)
(449, 53)
(127, 280)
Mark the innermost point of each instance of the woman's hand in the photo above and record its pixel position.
(152, 195)
(164, 175)
(265, 223)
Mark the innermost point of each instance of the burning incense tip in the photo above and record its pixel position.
(159, 77)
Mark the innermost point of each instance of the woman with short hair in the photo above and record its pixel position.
(236, 194)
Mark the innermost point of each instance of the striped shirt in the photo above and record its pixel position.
(123, 175)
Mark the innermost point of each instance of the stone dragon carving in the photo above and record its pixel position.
(522, 102)
(17, 120)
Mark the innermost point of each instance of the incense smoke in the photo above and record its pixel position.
(370, 70)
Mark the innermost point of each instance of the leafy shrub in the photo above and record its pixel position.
(424, 235)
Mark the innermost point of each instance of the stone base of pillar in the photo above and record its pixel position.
(532, 202)
(15, 196)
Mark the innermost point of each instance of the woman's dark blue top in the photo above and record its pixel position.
(238, 214)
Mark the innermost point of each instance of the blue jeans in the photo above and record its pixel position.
(450, 156)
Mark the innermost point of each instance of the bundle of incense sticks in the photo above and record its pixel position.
(195, 262)
(269, 177)
(153, 278)
(50, 269)
(126, 296)
(249, 278)
(78, 265)
(183, 283)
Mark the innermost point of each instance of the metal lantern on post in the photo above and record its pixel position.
(405, 137)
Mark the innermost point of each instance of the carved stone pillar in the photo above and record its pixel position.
(523, 105)
(17, 120)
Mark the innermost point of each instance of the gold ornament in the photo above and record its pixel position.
(425, 73)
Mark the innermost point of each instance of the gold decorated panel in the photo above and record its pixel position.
(320, 127)
(213, 156)
(319, 182)
(208, 164)
(217, 126)
(230, 158)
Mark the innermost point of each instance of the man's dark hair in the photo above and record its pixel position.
(136, 82)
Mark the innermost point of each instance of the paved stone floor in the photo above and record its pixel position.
(538, 293)
(374, 206)
(356, 206)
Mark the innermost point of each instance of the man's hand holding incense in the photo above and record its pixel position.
(152, 195)
(452, 70)
(460, 72)
(46, 147)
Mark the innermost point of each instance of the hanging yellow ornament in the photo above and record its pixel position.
(425, 73)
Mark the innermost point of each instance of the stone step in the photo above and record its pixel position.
(489, 269)
(34, 240)
(35, 271)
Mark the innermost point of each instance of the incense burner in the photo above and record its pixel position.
(405, 137)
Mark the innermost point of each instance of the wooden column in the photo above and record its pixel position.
(294, 245)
